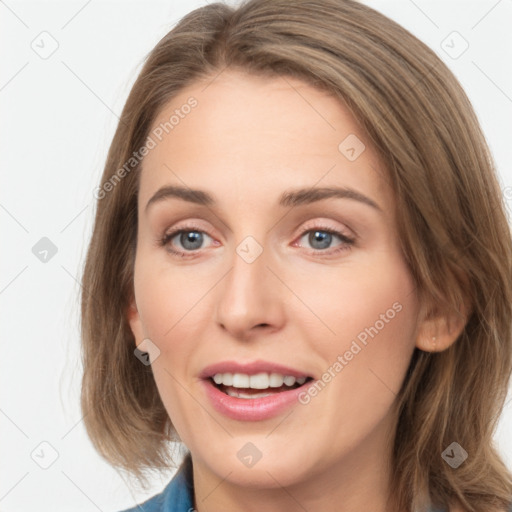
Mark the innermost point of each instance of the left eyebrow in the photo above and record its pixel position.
(311, 195)
(294, 197)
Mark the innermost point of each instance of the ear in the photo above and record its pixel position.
(135, 322)
(439, 329)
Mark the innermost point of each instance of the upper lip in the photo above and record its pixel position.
(250, 368)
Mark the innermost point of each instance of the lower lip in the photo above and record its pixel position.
(252, 409)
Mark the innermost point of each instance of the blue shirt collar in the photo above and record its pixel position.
(177, 496)
(179, 493)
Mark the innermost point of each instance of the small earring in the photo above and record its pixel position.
(434, 342)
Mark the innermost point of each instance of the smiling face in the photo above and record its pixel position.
(314, 281)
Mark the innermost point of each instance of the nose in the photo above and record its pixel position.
(250, 299)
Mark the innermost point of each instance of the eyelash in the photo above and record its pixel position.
(167, 237)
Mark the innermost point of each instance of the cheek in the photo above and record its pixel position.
(379, 305)
(175, 311)
(165, 292)
(372, 312)
(375, 289)
(170, 309)
(374, 319)
(368, 316)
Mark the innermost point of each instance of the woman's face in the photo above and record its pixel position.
(277, 270)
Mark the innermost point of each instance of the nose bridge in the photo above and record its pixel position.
(250, 295)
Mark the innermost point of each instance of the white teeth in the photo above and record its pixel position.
(276, 380)
(240, 380)
(261, 380)
(289, 381)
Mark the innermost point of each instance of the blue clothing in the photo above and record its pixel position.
(178, 495)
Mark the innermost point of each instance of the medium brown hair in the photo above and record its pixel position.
(451, 219)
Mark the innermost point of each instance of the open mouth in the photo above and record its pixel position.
(248, 392)
(256, 386)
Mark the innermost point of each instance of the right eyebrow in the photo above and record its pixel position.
(187, 194)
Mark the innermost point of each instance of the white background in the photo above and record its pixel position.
(58, 118)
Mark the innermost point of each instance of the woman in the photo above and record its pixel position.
(300, 269)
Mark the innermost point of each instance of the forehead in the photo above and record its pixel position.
(249, 135)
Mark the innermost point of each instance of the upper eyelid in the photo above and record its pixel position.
(320, 225)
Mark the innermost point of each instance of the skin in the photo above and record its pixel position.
(248, 140)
